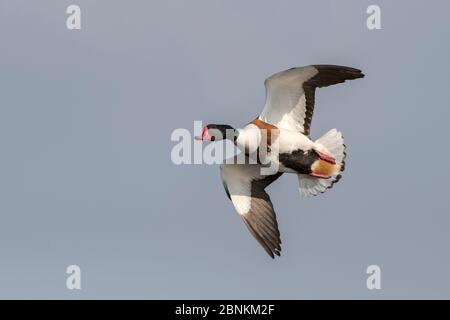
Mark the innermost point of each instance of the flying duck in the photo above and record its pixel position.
(282, 134)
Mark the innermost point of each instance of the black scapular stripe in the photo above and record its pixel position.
(299, 161)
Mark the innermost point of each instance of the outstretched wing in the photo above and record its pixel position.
(245, 186)
(290, 94)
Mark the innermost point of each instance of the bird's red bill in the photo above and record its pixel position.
(205, 135)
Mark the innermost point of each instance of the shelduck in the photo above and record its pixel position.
(283, 131)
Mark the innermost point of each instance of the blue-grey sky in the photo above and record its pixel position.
(86, 176)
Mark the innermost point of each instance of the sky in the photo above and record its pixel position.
(86, 176)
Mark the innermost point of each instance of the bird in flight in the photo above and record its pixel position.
(282, 132)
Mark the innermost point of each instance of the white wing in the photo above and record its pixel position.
(290, 94)
(245, 187)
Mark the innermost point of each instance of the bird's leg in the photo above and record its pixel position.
(318, 175)
(325, 157)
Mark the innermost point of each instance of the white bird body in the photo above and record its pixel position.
(251, 138)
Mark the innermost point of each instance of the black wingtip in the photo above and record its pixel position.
(358, 74)
(274, 252)
(349, 72)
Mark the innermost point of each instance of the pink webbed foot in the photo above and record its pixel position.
(325, 157)
(318, 175)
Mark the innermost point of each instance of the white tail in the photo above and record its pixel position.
(332, 143)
